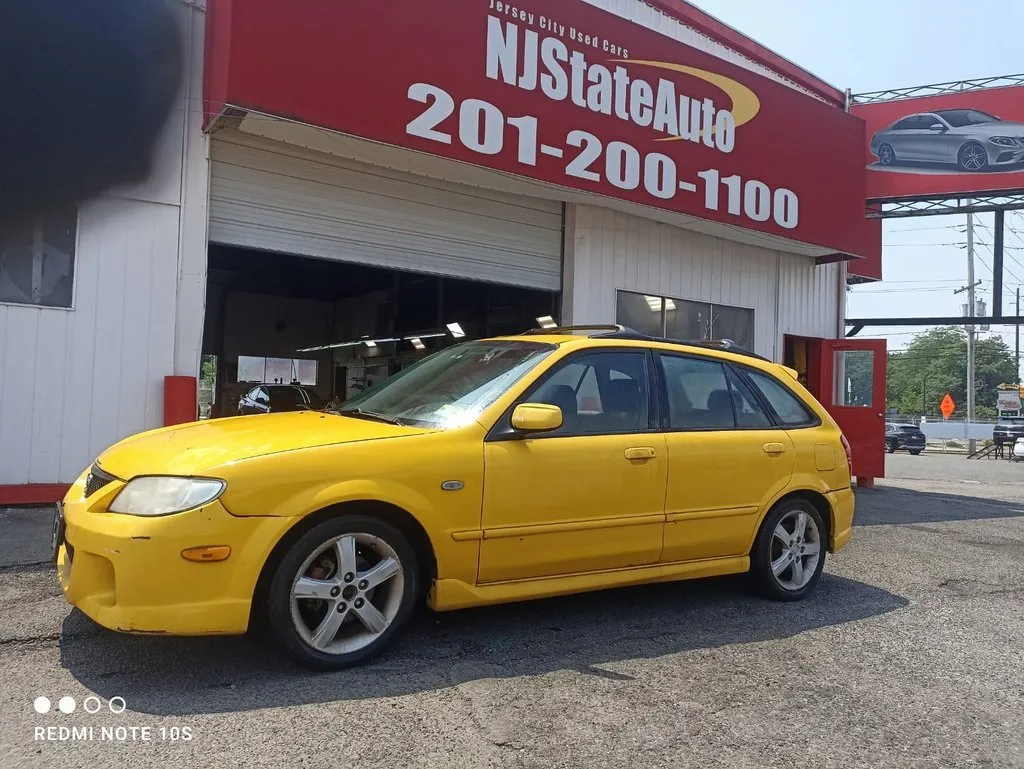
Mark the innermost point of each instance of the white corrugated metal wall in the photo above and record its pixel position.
(608, 251)
(73, 381)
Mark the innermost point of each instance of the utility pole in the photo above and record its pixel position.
(971, 446)
(1016, 333)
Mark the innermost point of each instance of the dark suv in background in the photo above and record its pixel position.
(1008, 430)
(904, 436)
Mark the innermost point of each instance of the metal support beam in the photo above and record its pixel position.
(997, 265)
(855, 330)
(952, 320)
(1007, 200)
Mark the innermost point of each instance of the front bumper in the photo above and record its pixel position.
(842, 503)
(126, 572)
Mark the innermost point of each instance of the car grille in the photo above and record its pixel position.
(97, 480)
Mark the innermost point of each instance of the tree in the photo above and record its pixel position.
(936, 363)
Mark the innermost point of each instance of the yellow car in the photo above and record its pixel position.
(492, 471)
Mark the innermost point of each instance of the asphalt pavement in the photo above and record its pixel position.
(910, 654)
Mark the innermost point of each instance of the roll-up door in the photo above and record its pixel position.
(278, 197)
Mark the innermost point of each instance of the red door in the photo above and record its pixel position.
(852, 389)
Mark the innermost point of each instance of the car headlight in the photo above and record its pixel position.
(163, 495)
(1004, 141)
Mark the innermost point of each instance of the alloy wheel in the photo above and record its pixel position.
(886, 155)
(795, 550)
(347, 593)
(973, 157)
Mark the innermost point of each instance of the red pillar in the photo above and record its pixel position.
(180, 400)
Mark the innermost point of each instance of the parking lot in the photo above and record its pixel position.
(910, 654)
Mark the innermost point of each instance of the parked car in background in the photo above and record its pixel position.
(1008, 430)
(1018, 450)
(493, 471)
(968, 138)
(904, 436)
(267, 399)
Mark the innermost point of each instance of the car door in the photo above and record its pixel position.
(589, 495)
(727, 460)
(936, 145)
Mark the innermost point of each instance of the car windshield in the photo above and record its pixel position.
(958, 118)
(1012, 421)
(450, 388)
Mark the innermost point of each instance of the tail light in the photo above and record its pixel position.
(849, 452)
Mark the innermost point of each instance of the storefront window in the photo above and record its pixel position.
(683, 319)
(37, 260)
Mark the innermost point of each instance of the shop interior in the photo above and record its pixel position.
(338, 328)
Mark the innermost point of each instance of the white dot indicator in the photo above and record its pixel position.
(66, 705)
(117, 705)
(42, 705)
(91, 704)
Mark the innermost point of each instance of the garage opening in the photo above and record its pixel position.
(284, 331)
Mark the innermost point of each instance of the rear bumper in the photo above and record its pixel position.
(127, 573)
(842, 504)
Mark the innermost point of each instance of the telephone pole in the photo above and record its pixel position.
(971, 447)
(1016, 333)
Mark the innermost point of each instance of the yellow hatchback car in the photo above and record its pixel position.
(492, 471)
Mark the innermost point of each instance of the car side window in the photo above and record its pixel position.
(903, 125)
(699, 395)
(788, 407)
(259, 395)
(749, 414)
(598, 393)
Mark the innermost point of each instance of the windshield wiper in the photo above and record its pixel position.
(370, 415)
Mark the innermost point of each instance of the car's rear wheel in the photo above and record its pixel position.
(915, 452)
(886, 155)
(972, 157)
(891, 446)
(343, 591)
(789, 552)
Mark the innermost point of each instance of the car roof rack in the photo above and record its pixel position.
(606, 329)
(726, 345)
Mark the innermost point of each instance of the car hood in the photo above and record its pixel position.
(992, 129)
(199, 447)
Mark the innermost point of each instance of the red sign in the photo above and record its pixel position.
(947, 407)
(564, 93)
(953, 144)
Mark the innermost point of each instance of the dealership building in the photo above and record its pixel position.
(340, 192)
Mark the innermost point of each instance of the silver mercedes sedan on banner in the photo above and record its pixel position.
(968, 138)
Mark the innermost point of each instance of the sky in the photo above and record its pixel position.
(870, 45)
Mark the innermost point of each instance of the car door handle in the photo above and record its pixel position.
(774, 448)
(640, 452)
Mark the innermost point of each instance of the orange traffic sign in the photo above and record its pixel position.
(947, 407)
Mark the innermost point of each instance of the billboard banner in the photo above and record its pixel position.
(950, 144)
(563, 93)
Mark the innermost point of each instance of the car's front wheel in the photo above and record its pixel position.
(343, 591)
(886, 155)
(891, 446)
(972, 157)
(789, 552)
(915, 452)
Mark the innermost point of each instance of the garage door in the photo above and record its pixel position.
(278, 197)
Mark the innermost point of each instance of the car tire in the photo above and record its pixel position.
(773, 575)
(886, 155)
(972, 158)
(891, 446)
(915, 452)
(371, 615)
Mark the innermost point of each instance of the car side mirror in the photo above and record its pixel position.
(937, 127)
(536, 417)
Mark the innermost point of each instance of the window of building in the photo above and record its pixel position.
(277, 370)
(37, 260)
(684, 319)
(599, 393)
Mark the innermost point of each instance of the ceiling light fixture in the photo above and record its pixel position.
(456, 330)
(418, 343)
(546, 321)
(654, 302)
(370, 343)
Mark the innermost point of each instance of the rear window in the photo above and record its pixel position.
(910, 428)
(790, 410)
